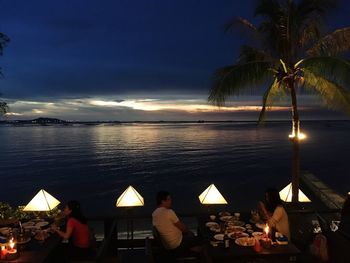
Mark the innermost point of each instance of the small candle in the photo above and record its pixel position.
(3, 252)
(12, 252)
(12, 245)
(266, 229)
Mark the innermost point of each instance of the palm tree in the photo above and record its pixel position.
(290, 53)
(3, 42)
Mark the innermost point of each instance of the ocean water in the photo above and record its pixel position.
(94, 164)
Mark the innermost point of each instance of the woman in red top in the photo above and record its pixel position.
(77, 232)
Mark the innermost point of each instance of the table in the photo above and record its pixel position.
(35, 252)
(280, 253)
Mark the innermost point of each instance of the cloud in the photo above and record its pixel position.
(133, 108)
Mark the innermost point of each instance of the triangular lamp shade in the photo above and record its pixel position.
(212, 196)
(43, 201)
(130, 197)
(286, 194)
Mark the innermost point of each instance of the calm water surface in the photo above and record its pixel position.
(94, 164)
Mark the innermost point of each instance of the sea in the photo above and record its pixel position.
(94, 164)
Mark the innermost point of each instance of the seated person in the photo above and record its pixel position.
(173, 233)
(272, 209)
(344, 226)
(77, 231)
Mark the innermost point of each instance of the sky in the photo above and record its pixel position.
(127, 60)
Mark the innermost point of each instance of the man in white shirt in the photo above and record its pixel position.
(173, 233)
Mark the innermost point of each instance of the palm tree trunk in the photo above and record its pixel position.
(295, 143)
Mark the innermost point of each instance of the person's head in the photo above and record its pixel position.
(346, 206)
(72, 209)
(272, 199)
(163, 199)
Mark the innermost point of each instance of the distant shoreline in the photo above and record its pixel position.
(59, 122)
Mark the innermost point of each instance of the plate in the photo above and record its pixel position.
(245, 241)
(31, 228)
(258, 235)
(215, 229)
(226, 218)
(219, 237)
(211, 224)
(235, 235)
(237, 223)
(29, 223)
(235, 229)
(41, 224)
(260, 225)
(224, 213)
(24, 241)
(36, 220)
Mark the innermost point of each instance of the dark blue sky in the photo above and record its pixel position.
(66, 55)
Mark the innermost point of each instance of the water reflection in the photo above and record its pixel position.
(96, 163)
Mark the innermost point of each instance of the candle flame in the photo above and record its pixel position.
(11, 243)
(266, 229)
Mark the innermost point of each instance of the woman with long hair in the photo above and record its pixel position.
(274, 212)
(77, 232)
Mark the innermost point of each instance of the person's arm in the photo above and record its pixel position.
(176, 221)
(68, 233)
(263, 211)
(181, 226)
(276, 217)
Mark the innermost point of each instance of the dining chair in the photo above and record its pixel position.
(161, 254)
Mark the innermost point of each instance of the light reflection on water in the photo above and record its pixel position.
(94, 164)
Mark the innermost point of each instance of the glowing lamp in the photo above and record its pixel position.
(286, 195)
(130, 197)
(42, 201)
(212, 196)
(300, 136)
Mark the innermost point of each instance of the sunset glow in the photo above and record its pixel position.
(188, 106)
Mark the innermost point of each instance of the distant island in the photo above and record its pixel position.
(52, 121)
(39, 121)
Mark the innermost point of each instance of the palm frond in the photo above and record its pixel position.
(308, 33)
(334, 96)
(275, 91)
(245, 27)
(318, 8)
(249, 54)
(234, 80)
(239, 22)
(332, 44)
(334, 69)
